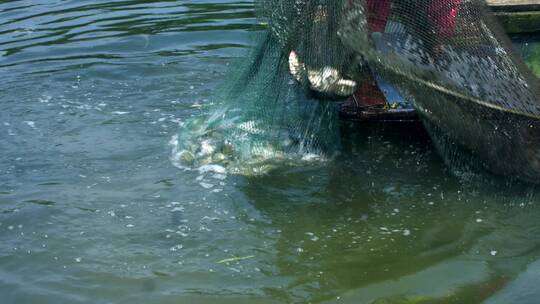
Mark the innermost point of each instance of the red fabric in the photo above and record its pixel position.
(444, 13)
(369, 94)
(378, 12)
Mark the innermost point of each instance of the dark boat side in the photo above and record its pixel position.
(516, 17)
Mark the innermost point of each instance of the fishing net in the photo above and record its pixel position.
(449, 58)
(261, 118)
(453, 61)
(277, 105)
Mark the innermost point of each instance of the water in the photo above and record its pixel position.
(92, 208)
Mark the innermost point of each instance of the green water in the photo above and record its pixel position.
(93, 210)
(530, 50)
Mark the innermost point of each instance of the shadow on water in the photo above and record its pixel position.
(388, 223)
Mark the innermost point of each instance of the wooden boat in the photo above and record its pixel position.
(516, 17)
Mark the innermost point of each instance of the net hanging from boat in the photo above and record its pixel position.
(260, 118)
(449, 58)
(454, 62)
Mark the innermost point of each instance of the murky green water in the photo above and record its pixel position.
(92, 209)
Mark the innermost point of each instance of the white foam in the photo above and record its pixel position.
(45, 99)
(31, 124)
(206, 185)
(212, 168)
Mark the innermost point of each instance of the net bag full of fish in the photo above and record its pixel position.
(449, 58)
(265, 116)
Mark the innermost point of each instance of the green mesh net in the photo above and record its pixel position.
(278, 104)
(261, 118)
(449, 58)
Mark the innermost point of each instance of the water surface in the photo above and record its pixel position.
(92, 209)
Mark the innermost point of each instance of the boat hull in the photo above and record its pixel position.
(507, 143)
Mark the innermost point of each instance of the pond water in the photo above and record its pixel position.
(93, 210)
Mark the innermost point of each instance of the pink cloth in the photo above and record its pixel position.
(378, 13)
(444, 13)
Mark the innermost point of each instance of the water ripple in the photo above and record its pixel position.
(114, 30)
